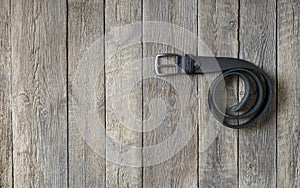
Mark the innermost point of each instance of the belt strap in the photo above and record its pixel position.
(189, 64)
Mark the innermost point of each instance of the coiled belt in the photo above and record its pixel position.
(189, 64)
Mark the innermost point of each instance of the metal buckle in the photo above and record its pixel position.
(158, 65)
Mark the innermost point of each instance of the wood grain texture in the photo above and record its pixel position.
(288, 131)
(218, 29)
(123, 75)
(5, 96)
(39, 96)
(257, 145)
(165, 107)
(57, 67)
(85, 28)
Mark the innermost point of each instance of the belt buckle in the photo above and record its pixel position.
(158, 65)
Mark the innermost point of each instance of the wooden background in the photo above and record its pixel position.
(41, 42)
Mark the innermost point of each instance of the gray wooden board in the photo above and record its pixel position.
(69, 117)
(218, 26)
(39, 97)
(85, 50)
(123, 75)
(5, 96)
(164, 104)
(257, 145)
(288, 104)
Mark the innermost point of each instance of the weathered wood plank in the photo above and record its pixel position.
(39, 103)
(257, 145)
(5, 96)
(169, 104)
(123, 71)
(218, 29)
(85, 33)
(288, 131)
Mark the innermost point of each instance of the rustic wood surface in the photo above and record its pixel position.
(80, 105)
(39, 93)
(85, 26)
(257, 146)
(180, 170)
(5, 96)
(118, 65)
(288, 102)
(218, 165)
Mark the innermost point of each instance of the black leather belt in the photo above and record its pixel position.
(189, 64)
